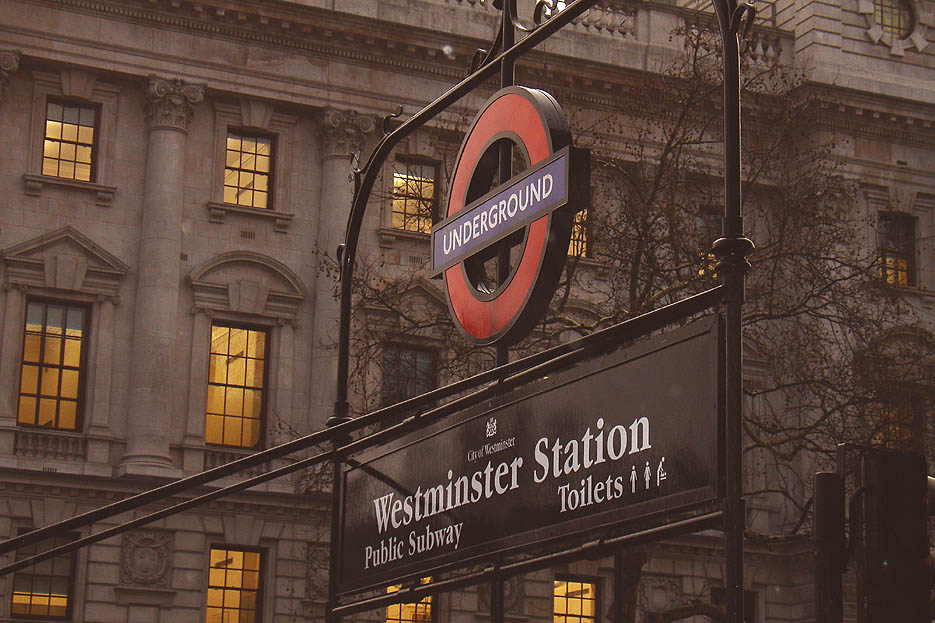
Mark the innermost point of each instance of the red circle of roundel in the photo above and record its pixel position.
(535, 119)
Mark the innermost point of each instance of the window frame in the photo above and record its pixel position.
(885, 250)
(403, 162)
(95, 141)
(399, 347)
(580, 223)
(901, 419)
(594, 581)
(72, 573)
(271, 173)
(902, 29)
(261, 579)
(81, 87)
(264, 403)
(260, 118)
(426, 602)
(83, 368)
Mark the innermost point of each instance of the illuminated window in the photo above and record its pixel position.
(579, 247)
(894, 17)
(414, 196)
(234, 583)
(44, 590)
(248, 170)
(236, 382)
(896, 235)
(420, 612)
(575, 601)
(407, 372)
(51, 375)
(900, 423)
(68, 148)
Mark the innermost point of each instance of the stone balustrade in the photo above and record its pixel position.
(217, 457)
(54, 446)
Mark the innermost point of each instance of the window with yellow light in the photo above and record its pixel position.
(44, 590)
(248, 169)
(896, 239)
(234, 585)
(578, 245)
(574, 600)
(236, 385)
(52, 366)
(414, 197)
(419, 612)
(69, 147)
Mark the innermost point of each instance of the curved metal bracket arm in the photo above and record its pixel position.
(386, 121)
(743, 9)
(368, 174)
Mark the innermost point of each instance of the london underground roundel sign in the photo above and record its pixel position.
(536, 206)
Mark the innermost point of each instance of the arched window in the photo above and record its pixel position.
(894, 17)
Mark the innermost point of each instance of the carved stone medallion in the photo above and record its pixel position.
(144, 558)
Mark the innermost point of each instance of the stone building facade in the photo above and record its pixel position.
(174, 182)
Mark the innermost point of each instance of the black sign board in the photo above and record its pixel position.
(611, 439)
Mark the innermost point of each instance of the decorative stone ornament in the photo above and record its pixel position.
(170, 103)
(144, 558)
(9, 63)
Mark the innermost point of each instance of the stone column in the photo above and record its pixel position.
(285, 370)
(99, 430)
(9, 63)
(10, 346)
(168, 112)
(343, 133)
(193, 459)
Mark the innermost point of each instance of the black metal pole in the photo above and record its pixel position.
(496, 598)
(829, 547)
(731, 250)
(619, 587)
(507, 78)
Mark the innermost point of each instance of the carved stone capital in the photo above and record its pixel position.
(14, 285)
(345, 131)
(169, 103)
(9, 63)
(207, 312)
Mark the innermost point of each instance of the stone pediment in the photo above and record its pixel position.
(64, 259)
(249, 283)
(424, 290)
(420, 294)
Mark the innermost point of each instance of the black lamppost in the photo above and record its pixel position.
(732, 249)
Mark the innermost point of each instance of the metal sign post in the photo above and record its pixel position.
(732, 250)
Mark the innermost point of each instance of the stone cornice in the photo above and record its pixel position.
(350, 39)
(82, 489)
(904, 127)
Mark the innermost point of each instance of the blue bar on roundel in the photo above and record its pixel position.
(504, 210)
